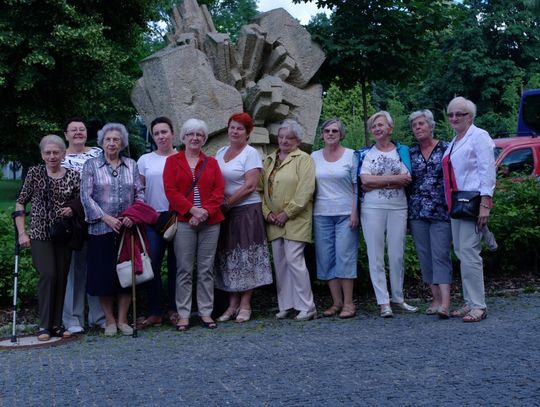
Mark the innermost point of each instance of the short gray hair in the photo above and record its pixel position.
(380, 113)
(193, 125)
(334, 120)
(114, 127)
(422, 113)
(292, 126)
(464, 103)
(52, 139)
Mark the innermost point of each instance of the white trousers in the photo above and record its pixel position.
(292, 276)
(467, 247)
(378, 224)
(73, 313)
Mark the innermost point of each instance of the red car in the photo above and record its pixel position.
(517, 156)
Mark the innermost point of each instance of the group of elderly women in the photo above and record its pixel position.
(230, 206)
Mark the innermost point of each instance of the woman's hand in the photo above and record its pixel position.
(66, 212)
(127, 222)
(402, 180)
(281, 219)
(200, 213)
(483, 217)
(194, 222)
(24, 240)
(114, 223)
(271, 218)
(354, 222)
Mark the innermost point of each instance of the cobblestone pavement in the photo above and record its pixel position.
(410, 360)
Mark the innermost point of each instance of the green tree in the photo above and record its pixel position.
(367, 41)
(60, 58)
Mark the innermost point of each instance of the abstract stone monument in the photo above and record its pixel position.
(269, 73)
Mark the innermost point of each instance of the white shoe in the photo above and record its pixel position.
(306, 315)
(111, 330)
(406, 307)
(75, 329)
(386, 312)
(282, 314)
(125, 329)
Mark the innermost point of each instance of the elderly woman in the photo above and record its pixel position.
(428, 213)
(288, 185)
(194, 187)
(48, 188)
(469, 165)
(242, 260)
(151, 168)
(384, 170)
(336, 218)
(77, 154)
(110, 184)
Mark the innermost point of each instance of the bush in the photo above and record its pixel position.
(515, 222)
(27, 281)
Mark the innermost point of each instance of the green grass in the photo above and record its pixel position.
(8, 194)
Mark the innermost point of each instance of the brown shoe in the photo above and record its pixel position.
(348, 311)
(332, 311)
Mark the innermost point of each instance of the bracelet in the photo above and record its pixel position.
(485, 206)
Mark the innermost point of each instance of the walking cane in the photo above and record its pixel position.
(133, 291)
(14, 216)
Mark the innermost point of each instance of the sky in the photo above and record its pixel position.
(302, 11)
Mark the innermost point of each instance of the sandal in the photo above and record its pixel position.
(432, 310)
(475, 315)
(348, 311)
(230, 313)
(208, 324)
(173, 317)
(60, 332)
(152, 320)
(461, 312)
(332, 311)
(182, 325)
(443, 313)
(43, 335)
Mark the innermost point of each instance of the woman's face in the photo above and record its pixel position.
(163, 136)
(194, 139)
(287, 141)
(53, 155)
(380, 129)
(460, 120)
(421, 129)
(237, 133)
(76, 134)
(112, 143)
(331, 134)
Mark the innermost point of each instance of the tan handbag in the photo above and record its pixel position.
(125, 269)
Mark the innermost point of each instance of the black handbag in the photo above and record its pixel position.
(61, 230)
(465, 205)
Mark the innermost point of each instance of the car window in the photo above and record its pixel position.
(519, 161)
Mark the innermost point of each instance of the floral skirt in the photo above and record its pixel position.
(242, 260)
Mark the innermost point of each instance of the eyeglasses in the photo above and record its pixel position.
(457, 115)
(192, 135)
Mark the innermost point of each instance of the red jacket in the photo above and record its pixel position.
(177, 178)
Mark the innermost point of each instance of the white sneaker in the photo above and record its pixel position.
(406, 307)
(282, 314)
(306, 315)
(76, 329)
(386, 311)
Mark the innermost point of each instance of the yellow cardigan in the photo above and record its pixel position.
(292, 192)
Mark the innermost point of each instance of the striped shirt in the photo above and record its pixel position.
(108, 192)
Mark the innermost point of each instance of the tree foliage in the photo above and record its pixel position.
(60, 58)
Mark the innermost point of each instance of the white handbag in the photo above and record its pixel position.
(125, 269)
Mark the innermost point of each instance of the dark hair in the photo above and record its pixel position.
(243, 118)
(73, 119)
(161, 119)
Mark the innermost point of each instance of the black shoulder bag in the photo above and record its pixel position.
(465, 204)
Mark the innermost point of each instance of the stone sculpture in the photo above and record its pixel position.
(269, 73)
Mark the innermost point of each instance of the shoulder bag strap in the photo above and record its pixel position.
(194, 183)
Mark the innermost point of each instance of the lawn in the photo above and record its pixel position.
(8, 194)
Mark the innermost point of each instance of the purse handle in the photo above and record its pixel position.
(194, 183)
(141, 240)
